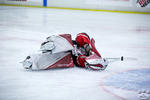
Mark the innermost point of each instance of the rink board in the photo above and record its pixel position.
(114, 5)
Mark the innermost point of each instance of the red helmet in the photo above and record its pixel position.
(82, 39)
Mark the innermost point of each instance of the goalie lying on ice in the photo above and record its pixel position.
(61, 51)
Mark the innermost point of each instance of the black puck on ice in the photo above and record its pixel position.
(121, 58)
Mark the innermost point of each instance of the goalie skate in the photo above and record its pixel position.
(27, 64)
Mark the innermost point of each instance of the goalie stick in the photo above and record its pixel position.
(122, 58)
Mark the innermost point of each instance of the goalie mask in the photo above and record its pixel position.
(82, 39)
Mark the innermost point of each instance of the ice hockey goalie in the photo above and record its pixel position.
(61, 52)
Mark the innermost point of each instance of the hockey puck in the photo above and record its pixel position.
(121, 58)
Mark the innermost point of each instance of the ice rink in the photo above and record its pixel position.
(22, 30)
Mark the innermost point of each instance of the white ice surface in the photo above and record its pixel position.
(23, 29)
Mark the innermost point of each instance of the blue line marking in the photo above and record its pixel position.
(45, 3)
(130, 80)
